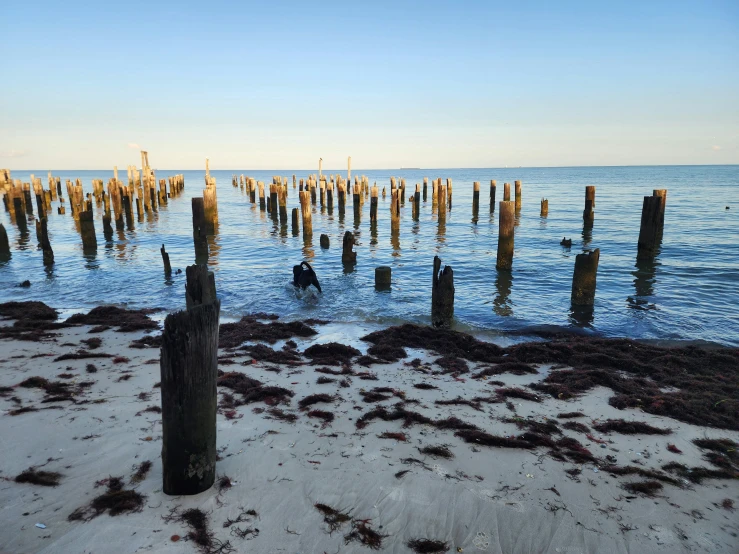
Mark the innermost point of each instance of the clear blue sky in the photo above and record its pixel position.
(421, 84)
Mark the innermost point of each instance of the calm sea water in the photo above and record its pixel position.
(691, 291)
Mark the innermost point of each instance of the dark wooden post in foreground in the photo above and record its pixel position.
(296, 224)
(383, 277)
(650, 232)
(442, 295)
(505, 235)
(347, 256)
(493, 186)
(583, 280)
(588, 215)
(189, 368)
(4, 244)
(475, 200)
(165, 259)
(544, 207)
(87, 230)
(198, 214)
(45, 244)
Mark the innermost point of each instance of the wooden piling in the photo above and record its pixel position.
(48, 253)
(198, 215)
(417, 202)
(505, 235)
(649, 231)
(324, 241)
(200, 287)
(588, 214)
(305, 206)
(661, 193)
(442, 295)
(295, 220)
(282, 200)
(357, 202)
(273, 201)
(425, 187)
(506, 192)
(449, 193)
(475, 200)
(441, 203)
(87, 230)
(395, 209)
(347, 255)
(165, 260)
(383, 277)
(189, 367)
(517, 185)
(544, 207)
(4, 244)
(373, 203)
(262, 203)
(210, 202)
(493, 186)
(584, 277)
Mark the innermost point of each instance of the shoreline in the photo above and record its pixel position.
(281, 462)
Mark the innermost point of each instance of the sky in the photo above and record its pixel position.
(430, 84)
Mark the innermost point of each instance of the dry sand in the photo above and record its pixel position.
(484, 499)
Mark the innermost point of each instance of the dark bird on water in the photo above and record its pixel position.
(304, 276)
(566, 242)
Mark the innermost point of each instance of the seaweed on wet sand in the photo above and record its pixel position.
(115, 500)
(263, 353)
(570, 415)
(452, 364)
(249, 328)
(367, 376)
(332, 517)
(698, 474)
(641, 472)
(516, 368)
(252, 390)
(332, 353)
(91, 368)
(28, 310)
(424, 386)
(437, 451)
(459, 401)
(92, 343)
(726, 447)
(387, 353)
(345, 383)
(624, 427)
(277, 413)
(548, 427)
(36, 477)
(142, 470)
(315, 399)
(362, 532)
(150, 409)
(402, 437)
(323, 380)
(327, 417)
(126, 320)
(486, 439)
(200, 533)
(576, 426)
(428, 546)
(398, 413)
(517, 392)
(647, 488)
(345, 370)
(81, 355)
(147, 341)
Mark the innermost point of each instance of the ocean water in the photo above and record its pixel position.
(689, 291)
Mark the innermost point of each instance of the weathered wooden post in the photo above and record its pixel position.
(425, 187)
(506, 192)
(4, 244)
(189, 371)
(517, 185)
(347, 256)
(442, 194)
(306, 213)
(373, 204)
(493, 185)
(588, 214)
(273, 201)
(417, 203)
(87, 230)
(165, 259)
(449, 193)
(357, 202)
(383, 277)
(475, 200)
(505, 235)
(282, 199)
(661, 193)
(295, 219)
(442, 295)
(312, 185)
(349, 170)
(262, 203)
(330, 195)
(394, 210)
(544, 207)
(45, 244)
(324, 241)
(198, 214)
(583, 279)
(649, 232)
(294, 182)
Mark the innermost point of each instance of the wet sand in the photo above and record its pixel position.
(483, 499)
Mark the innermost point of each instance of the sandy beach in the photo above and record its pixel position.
(377, 462)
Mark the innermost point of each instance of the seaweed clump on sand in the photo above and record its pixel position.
(250, 328)
(125, 320)
(115, 500)
(647, 488)
(33, 321)
(36, 477)
(147, 341)
(698, 474)
(428, 546)
(515, 368)
(452, 364)
(624, 427)
(56, 391)
(252, 390)
(332, 517)
(263, 353)
(387, 352)
(81, 355)
(437, 451)
(443, 341)
(200, 533)
(315, 399)
(332, 353)
(362, 532)
(142, 470)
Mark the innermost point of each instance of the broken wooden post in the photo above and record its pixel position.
(325, 243)
(395, 209)
(583, 279)
(505, 235)
(347, 256)
(425, 187)
(189, 371)
(306, 213)
(544, 207)
(165, 259)
(449, 193)
(357, 202)
(417, 203)
(661, 193)
(506, 192)
(588, 215)
(492, 195)
(383, 277)
(200, 287)
(45, 244)
(442, 194)
(4, 244)
(475, 200)
(198, 214)
(517, 185)
(282, 200)
(295, 220)
(442, 295)
(373, 203)
(649, 231)
(87, 230)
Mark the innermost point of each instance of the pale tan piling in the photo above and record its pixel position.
(507, 218)
(517, 185)
(506, 192)
(305, 206)
(441, 203)
(262, 203)
(544, 207)
(395, 209)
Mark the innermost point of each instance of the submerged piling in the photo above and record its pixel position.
(48, 253)
(165, 260)
(347, 255)
(442, 295)
(584, 277)
(295, 220)
(506, 221)
(383, 277)
(506, 192)
(425, 187)
(650, 231)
